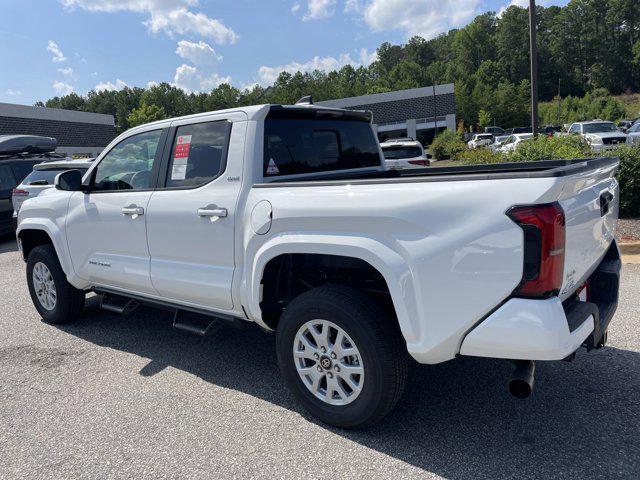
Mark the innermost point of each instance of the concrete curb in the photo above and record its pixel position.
(632, 248)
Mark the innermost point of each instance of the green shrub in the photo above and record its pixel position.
(447, 145)
(629, 179)
(551, 148)
(480, 156)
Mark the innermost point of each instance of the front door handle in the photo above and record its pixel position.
(133, 210)
(213, 212)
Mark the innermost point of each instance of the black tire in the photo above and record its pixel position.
(376, 336)
(69, 300)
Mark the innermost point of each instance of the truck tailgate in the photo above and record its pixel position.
(590, 202)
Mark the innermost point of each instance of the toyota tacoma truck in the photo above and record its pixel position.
(286, 216)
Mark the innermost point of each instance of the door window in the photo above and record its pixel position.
(129, 164)
(198, 154)
(7, 182)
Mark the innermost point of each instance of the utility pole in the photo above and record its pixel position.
(559, 98)
(533, 53)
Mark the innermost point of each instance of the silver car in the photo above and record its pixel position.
(42, 177)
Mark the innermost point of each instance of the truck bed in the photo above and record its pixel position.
(539, 169)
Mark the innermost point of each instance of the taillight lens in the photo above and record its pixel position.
(544, 241)
(424, 163)
(18, 192)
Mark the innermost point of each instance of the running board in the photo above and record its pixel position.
(118, 304)
(196, 323)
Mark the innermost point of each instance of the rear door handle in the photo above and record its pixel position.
(213, 212)
(133, 210)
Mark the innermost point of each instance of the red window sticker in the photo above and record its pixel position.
(183, 144)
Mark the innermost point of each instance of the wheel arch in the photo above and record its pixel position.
(30, 235)
(366, 252)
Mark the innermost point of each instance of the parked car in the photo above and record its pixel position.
(601, 135)
(286, 216)
(633, 134)
(551, 130)
(512, 142)
(624, 125)
(480, 140)
(42, 177)
(404, 153)
(494, 130)
(18, 155)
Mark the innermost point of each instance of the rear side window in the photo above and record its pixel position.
(46, 177)
(199, 154)
(296, 146)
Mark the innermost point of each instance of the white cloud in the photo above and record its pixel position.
(191, 79)
(427, 18)
(319, 9)
(13, 93)
(80, 57)
(62, 88)
(295, 7)
(169, 16)
(58, 56)
(199, 53)
(67, 72)
(352, 6)
(151, 84)
(525, 4)
(119, 85)
(268, 75)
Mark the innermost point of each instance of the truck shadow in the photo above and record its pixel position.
(455, 420)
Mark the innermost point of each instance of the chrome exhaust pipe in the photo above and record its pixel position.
(521, 382)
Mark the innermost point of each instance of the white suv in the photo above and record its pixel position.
(601, 135)
(404, 153)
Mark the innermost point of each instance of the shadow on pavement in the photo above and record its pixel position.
(455, 420)
(8, 244)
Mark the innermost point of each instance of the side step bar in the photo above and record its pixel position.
(118, 304)
(196, 323)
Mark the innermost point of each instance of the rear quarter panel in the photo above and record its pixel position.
(447, 250)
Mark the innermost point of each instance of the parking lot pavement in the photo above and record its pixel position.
(116, 397)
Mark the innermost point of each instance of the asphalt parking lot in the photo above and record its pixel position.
(116, 397)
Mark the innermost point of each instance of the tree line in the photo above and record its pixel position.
(587, 48)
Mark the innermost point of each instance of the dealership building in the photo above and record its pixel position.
(416, 112)
(79, 134)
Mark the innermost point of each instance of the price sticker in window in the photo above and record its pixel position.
(181, 157)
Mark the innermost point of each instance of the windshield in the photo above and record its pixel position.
(46, 177)
(311, 145)
(396, 153)
(603, 127)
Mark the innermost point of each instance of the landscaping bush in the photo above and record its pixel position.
(447, 145)
(480, 156)
(551, 148)
(629, 179)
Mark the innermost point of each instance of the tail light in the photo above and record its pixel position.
(544, 241)
(18, 192)
(424, 163)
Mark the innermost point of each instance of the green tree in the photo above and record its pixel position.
(146, 114)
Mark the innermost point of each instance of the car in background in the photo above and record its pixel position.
(512, 142)
(624, 125)
(494, 130)
(600, 134)
(18, 155)
(551, 130)
(404, 153)
(633, 134)
(480, 140)
(43, 177)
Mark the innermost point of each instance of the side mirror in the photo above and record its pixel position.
(69, 181)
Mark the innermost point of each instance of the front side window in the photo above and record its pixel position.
(311, 145)
(198, 154)
(128, 165)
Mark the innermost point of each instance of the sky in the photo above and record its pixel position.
(54, 47)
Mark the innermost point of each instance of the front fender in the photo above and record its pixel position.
(55, 234)
(389, 263)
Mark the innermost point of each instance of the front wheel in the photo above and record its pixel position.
(342, 356)
(56, 300)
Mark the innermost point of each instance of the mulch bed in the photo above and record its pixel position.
(628, 230)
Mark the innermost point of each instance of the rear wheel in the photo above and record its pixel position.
(342, 356)
(56, 300)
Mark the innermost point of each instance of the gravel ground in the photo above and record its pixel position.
(628, 230)
(115, 397)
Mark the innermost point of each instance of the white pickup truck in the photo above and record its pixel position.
(286, 216)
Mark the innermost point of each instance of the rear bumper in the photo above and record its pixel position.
(525, 329)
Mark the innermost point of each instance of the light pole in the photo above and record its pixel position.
(533, 53)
